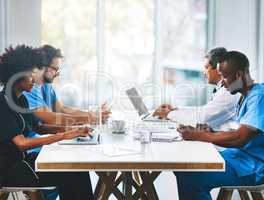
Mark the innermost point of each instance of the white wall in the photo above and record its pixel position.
(236, 26)
(24, 22)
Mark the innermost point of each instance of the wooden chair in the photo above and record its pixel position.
(34, 193)
(244, 191)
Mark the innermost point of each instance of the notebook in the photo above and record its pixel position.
(162, 137)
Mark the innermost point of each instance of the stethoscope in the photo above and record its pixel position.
(241, 101)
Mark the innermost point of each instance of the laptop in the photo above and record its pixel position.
(88, 140)
(140, 106)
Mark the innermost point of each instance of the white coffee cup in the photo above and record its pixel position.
(118, 126)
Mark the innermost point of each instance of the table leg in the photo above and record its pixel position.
(147, 186)
(137, 177)
(107, 184)
(109, 181)
(138, 194)
(119, 195)
(127, 185)
(98, 187)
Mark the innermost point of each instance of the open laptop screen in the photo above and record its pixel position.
(137, 101)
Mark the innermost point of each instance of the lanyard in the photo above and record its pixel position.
(240, 102)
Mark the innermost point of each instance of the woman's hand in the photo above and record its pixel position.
(78, 132)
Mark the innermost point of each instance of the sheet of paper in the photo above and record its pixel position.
(119, 150)
(163, 137)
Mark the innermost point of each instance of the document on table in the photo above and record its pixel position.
(163, 137)
(119, 150)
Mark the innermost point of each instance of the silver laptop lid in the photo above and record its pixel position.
(137, 101)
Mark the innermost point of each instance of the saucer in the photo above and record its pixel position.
(120, 132)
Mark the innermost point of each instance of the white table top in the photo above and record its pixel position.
(157, 156)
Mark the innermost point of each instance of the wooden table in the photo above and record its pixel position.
(112, 170)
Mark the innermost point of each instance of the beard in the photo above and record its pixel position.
(47, 79)
(236, 86)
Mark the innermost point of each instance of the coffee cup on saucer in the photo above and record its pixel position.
(118, 126)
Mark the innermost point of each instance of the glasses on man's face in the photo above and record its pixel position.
(56, 68)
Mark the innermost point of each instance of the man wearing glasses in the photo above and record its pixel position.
(44, 101)
(46, 106)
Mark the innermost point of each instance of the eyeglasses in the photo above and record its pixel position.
(56, 68)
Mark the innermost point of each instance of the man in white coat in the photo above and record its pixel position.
(218, 113)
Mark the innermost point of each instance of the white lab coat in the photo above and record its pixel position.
(219, 112)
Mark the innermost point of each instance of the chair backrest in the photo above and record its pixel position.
(16, 189)
(1, 181)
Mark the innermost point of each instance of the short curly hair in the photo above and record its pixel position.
(22, 58)
(237, 60)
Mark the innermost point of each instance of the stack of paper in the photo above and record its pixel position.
(163, 137)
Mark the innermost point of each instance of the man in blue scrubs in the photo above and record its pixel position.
(244, 155)
(46, 106)
(43, 99)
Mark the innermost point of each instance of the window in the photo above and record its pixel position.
(110, 45)
(184, 32)
(3, 25)
(71, 26)
(129, 44)
(183, 46)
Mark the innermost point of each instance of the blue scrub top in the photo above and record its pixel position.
(40, 96)
(249, 159)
